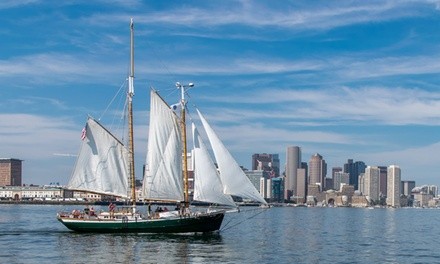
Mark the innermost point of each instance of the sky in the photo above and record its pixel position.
(346, 79)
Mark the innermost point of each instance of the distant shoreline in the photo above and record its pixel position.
(74, 203)
(48, 202)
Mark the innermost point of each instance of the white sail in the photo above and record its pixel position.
(163, 172)
(207, 184)
(102, 164)
(233, 178)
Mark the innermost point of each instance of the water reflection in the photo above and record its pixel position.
(138, 248)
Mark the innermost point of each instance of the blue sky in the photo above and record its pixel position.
(345, 79)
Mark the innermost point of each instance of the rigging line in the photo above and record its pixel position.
(113, 99)
(189, 98)
(226, 225)
(161, 62)
(172, 91)
(226, 228)
(188, 114)
(124, 116)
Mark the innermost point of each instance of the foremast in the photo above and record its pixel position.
(130, 95)
(185, 149)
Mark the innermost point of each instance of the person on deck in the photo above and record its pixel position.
(86, 211)
(92, 212)
(111, 208)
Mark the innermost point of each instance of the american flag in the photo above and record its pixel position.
(83, 133)
(272, 174)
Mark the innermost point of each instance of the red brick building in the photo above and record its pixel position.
(10, 172)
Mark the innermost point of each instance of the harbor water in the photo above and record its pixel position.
(31, 234)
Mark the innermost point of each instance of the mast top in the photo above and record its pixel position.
(131, 76)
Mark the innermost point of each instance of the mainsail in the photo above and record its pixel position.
(163, 173)
(207, 184)
(233, 178)
(102, 164)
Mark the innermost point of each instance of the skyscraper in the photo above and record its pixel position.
(334, 171)
(10, 172)
(406, 187)
(301, 185)
(383, 171)
(393, 193)
(354, 169)
(267, 162)
(340, 178)
(277, 190)
(293, 162)
(371, 183)
(317, 170)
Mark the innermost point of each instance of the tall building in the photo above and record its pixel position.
(336, 169)
(301, 184)
(406, 187)
(371, 183)
(265, 189)
(10, 172)
(433, 189)
(383, 182)
(267, 162)
(277, 194)
(317, 170)
(328, 183)
(393, 193)
(340, 178)
(293, 162)
(354, 169)
(361, 185)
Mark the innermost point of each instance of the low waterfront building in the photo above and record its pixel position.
(31, 192)
(359, 201)
(422, 199)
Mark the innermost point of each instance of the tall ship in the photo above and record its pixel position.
(105, 165)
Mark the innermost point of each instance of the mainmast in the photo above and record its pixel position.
(185, 150)
(130, 118)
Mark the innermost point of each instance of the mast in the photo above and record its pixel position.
(130, 118)
(185, 151)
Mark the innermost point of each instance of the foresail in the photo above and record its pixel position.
(102, 164)
(234, 179)
(163, 172)
(207, 184)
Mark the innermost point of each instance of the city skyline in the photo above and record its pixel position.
(346, 80)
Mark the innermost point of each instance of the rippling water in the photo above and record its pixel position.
(31, 234)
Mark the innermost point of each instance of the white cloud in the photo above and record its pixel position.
(29, 136)
(294, 16)
(383, 105)
(386, 66)
(56, 68)
(6, 4)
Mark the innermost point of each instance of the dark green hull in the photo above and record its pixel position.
(194, 224)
